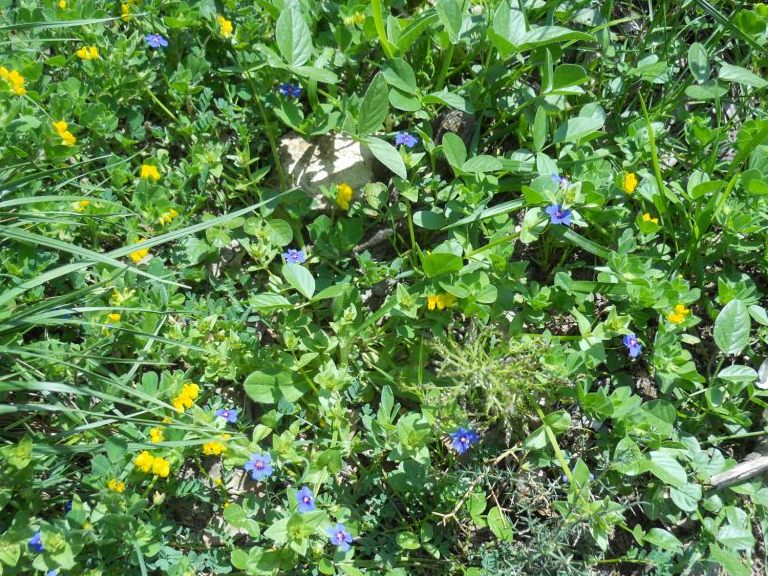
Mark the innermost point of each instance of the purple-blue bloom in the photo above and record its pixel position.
(339, 536)
(52, 572)
(406, 139)
(560, 180)
(156, 41)
(290, 90)
(305, 499)
(36, 543)
(228, 414)
(67, 506)
(630, 341)
(294, 256)
(558, 214)
(259, 466)
(462, 439)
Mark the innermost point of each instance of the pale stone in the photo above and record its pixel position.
(325, 161)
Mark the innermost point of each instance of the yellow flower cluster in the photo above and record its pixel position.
(440, 301)
(114, 317)
(214, 448)
(647, 218)
(62, 4)
(167, 217)
(356, 18)
(149, 172)
(88, 53)
(156, 435)
(186, 397)
(125, 9)
(679, 314)
(139, 255)
(80, 205)
(225, 26)
(67, 138)
(630, 182)
(116, 485)
(15, 79)
(343, 195)
(148, 463)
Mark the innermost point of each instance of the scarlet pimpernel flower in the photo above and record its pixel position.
(259, 466)
(339, 536)
(558, 215)
(228, 414)
(633, 346)
(462, 439)
(305, 499)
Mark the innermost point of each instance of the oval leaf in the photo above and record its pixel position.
(732, 327)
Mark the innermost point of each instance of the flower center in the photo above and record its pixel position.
(259, 465)
(340, 536)
(463, 439)
(306, 499)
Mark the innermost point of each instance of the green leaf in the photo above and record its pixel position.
(454, 150)
(508, 28)
(294, 39)
(429, 220)
(710, 90)
(663, 539)
(482, 164)
(545, 35)
(735, 537)
(578, 128)
(731, 73)
(664, 466)
(374, 107)
(387, 155)
(268, 301)
(270, 385)
(698, 62)
(450, 14)
(729, 560)
(313, 73)
(450, 99)
(686, 497)
(540, 128)
(399, 74)
(300, 278)
(738, 373)
(500, 525)
(566, 79)
(407, 540)
(438, 263)
(280, 232)
(732, 327)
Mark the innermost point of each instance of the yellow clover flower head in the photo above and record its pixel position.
(678, 315)
(80, 205)
(629, 182)
(15, 79)
(343, 195)
(114, 317)
(356, 18)
(116, 485)
(88, 53)
(440, 301)
(647, 218)
(167, 217)
(144, 461)
(156, 435)
(62, 4)
(186, 398)
(161, 467)
(225, 26)
(149, 172)
(213, 448)
(138, 256)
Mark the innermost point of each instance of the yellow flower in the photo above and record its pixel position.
(343, 195)
(679, 314)
(167, 420)
(647, 218)
(16, 81)
(125, 11)
(81, 205)
(191, 389)
(116, 485)
(167, 217)
(68, 139)
(630, 182)
(356, 18)
(88, 53)
(62, 4)
(218, 481)
(213, 448)
(149, 172)
(225, 26)
(114, 317)
(60, 126)
(4, 73)
(161, 467)
(139, 255)
(440, 301)
(186, 397)
(156, 435)
(144, 461)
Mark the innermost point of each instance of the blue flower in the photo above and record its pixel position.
(406, 139)
(305, 499)
(561, 181)
(294, 256)
(156, 41)
(228, 414)
(52, 572)
(463, 438)
(630, 341)
(259, 466)
(558, 214)
(67, 506)
(36, 543)
(290, 90)
(339, 536)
